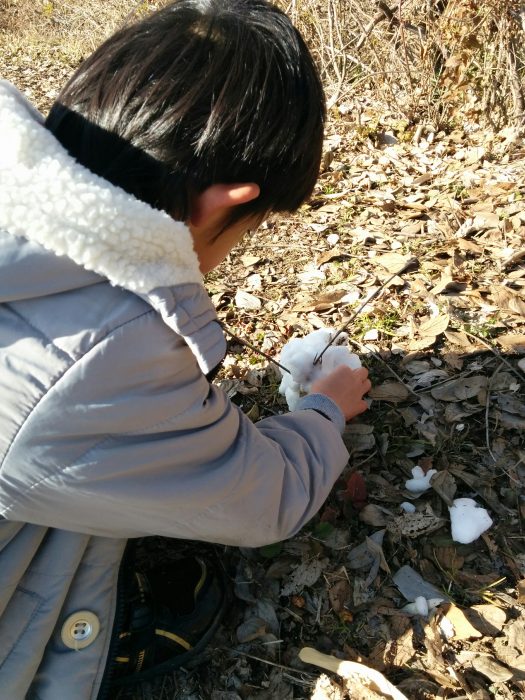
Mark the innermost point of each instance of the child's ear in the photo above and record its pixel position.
(213, 204)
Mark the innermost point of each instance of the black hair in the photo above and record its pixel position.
(200, 92)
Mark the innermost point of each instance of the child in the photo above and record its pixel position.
(173, 139)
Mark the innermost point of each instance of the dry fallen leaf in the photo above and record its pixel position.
(250, 260)
(515, 342)
(414, 525)
(339, 594)
(460, 389)
(486, 219)
(434, 662)
(399, 651)
(521, 591)
(360, 556)
(495, 672)
(389, 391)
(304, 576)
(393, 262)
(448, 557)
(510, 648)
(460, 338)
(508, 300)
(375, 515)
(487, 619)
(245, 300)
(462, 627)
(444, 484)
(252, 629)
(435, 325)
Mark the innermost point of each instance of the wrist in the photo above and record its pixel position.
(325, 406)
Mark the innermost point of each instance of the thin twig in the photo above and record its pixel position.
(512, 478)
(376, 19)
(235, 337)
(487, 409)
(404, 44)
(405, 267)
(500, 357)
(462, 375)
(270, 663)
(380, 359)
(252, 347)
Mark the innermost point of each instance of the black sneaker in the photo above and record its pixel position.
(172, 614)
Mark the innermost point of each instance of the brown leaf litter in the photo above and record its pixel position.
(445, 345)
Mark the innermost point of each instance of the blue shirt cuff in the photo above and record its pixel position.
(322, 404)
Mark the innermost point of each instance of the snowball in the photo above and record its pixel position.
(421, 605)
(298, 356)
(407, 507)
(468, 520)
(447, 628)
(420, 481)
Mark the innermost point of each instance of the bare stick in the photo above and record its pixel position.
(269, 663)
(487, 409)
(379, 17)
(405, 267)
(500, 357)
(515, 84)
(380, 359)
(252, 347)
(405, 46)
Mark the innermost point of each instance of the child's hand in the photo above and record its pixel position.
(346, 387)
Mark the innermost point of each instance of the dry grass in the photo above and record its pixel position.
(428, 60)
(401, 67)
(435, 61)
(77, 27)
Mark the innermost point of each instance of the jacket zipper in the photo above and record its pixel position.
(118, 622)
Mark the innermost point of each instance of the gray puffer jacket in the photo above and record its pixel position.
(109, 428)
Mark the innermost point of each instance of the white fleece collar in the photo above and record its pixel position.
(47, 197)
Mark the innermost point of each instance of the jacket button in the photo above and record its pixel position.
(80, 630)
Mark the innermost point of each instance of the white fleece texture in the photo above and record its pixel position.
(49, 198)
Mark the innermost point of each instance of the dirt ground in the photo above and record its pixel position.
(445, 346)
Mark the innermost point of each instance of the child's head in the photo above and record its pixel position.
(201, 92)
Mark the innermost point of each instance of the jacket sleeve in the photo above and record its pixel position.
(132, 441)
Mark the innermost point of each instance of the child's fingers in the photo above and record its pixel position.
(367, 385)
(360, 407)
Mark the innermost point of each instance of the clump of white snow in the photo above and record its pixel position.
(422, 606)
(446, 627)
(407, 507)
(468, 520)
(298, 356)
(420, 481)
